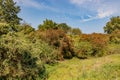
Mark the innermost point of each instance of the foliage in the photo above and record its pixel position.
(9, 11)
(49, 24)
(22, 58)
(76, 31)
(26, 28)
(58, 39)
(64, 27)
(4, 28)
(112, 25)
(16, 60)
(115, 37)
(83, 49)
(91, 45)
(113, 48)
(67, 48)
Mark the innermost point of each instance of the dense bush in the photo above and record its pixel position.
(22, 59)
(91, 45)
(25, 28)
(75, 31)
(58, 40)
(83, 49)
(115, 37)
(4, 28)
(113, 48)
(67, 48)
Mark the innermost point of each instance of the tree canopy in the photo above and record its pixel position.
(9, 11)
(49, 24)
(112, 25)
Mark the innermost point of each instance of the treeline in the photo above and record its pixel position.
(24, 51)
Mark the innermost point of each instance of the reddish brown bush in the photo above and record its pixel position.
(58, 39)
(98, 41)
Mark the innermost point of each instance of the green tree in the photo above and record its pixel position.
(9, 11)
(47, 24)
(76, 31)
(112, 25)
(64, 27)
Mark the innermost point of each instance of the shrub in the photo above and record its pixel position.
(92, 44)
(67, 48)
(18, 60)
(26, 28)
(4, 28)
(113, 48)
(115, 37)
(58, 39)
(83, 49)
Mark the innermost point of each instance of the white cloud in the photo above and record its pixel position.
(102, 13)
(79, 2)
(102, 8)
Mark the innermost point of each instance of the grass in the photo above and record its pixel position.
(103, 68)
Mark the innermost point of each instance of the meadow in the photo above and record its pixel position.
(103, 68)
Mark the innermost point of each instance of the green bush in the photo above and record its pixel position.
(22, 59)
(4, 28)
(113, 48)
(115, 37)
(83, 49)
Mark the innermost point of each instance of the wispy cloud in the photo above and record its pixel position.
(35, 4)
(79, 2)
(102, 8)
(30, 3)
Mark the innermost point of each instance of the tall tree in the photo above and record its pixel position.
(112, 25)
(9, 11)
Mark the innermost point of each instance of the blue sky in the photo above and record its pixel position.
(88, 15)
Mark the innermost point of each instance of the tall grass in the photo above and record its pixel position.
(104, 68)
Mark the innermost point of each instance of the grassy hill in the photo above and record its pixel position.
(103, 68)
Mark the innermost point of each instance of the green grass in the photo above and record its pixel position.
(103, 68)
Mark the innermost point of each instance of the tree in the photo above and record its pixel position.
(47, 24)
(64, 27)
(76, 31)
(9, 11)
(112, 25)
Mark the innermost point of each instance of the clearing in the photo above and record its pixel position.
(103, 68)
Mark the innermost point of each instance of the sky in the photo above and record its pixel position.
(88, 15)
